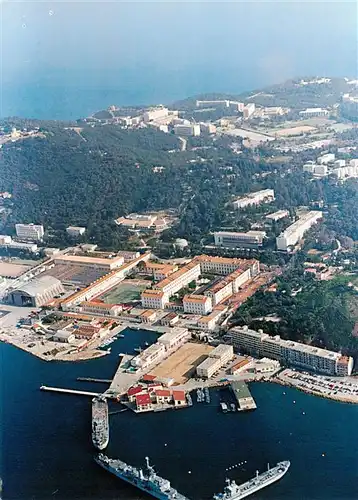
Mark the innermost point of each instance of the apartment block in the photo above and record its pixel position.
(291, 236)
(249, 239)
(290, 353)
(256, 198)
(34, 232)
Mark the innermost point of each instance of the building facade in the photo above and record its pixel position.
(256, 198)
(295, 232)
(197, 304)
(33, 232)
(260, 344)
(249, 239)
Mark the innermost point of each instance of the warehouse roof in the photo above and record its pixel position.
(39, 285)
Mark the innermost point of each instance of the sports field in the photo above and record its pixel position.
(123, 293)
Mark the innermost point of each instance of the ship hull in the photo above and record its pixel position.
(136, 484)
(240, 496)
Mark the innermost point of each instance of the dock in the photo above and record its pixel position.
(99, 380)
(69, 391)
(243, 396)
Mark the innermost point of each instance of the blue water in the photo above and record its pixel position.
(47, 450)
(73, 95)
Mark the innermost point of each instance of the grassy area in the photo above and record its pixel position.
(123, 293)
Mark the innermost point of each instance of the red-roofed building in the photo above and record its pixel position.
(163, 396)
(179, 398)
(133, 392)
(143, 402)
(148, 378)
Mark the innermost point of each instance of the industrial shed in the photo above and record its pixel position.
(36, 292)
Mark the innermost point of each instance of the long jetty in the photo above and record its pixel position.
(69, 391)
(89, 379)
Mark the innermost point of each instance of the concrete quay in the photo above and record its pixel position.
(69, 391)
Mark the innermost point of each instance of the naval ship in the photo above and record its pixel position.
(234, 492)
(100, 423)
(146, 480)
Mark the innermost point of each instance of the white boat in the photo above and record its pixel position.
(234, 492)
(224, 407)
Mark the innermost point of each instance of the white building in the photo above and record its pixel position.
(326, 158)
(208, 367)
(33, 232)
(290, 353)
(7, 241)
(197, 304)
(155, 114)
(340, 163)
(153, 354)
(192, 129)
(249, 110)
(225, 265)
(280, 214)
(101, 308)
(217, 358)
(313, 112)
(91, 262)
(175, 338)
(256, 198)
(207, 128)
(223, 352)
(250, 239)
(154, 299)
(179, 279)
(291, 236)
(224, 103)
(75, 231)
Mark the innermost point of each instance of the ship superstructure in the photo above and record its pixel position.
(233, 491)
(100, 422)
(145, 479)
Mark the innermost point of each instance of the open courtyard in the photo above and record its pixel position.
(126, 291)
(182, 363)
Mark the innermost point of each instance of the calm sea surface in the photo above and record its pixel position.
(47, 451)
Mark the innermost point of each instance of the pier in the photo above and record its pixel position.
(99, 380)
(243, 396)
(69, 391)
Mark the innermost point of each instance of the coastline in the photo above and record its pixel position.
(72, 357)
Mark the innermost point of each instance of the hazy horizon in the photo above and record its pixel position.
(143, 50)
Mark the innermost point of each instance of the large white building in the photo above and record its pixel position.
(75, 231)
(179, 279)
(250, 239)
(295, 232)
(92, 262)
(155, 114)
(216, 359)
(197, 304)
(149, 356)
(249, 110)
(225, 265)
(313, 112)
(256, 198)
(326, 158)
(174, 338)
(154, 299)
(32, 232)
(7, 242)
(290, 353)
(192, 129)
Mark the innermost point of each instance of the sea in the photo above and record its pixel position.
(47, 451)
(69, 95)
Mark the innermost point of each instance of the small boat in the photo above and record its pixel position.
(189, 400)
(233, 407)
(138, 349)
(207, 395)
(224, 407)
(121, 336)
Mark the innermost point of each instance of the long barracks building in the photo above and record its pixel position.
(290, 353)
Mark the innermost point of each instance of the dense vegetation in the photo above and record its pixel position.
(321, 313)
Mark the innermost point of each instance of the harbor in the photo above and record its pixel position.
(275, 431)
